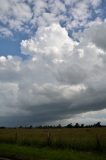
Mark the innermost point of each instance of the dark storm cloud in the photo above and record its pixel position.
(88, 100)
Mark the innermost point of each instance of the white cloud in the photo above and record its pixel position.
(91, 117)
(4, 32)
(49, 42)
(27, 15)
(14, 14)
(96, 34)
(81, 11)
(95, 3)
(88, 117)
(61, 77)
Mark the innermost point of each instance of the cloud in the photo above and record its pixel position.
(97, 34)
(63, 73)
(88, 117)
(27, 16)
(49, 42)
(95, 3)
(61, 77)
(14, 14)
(4, 32)
(30, 98)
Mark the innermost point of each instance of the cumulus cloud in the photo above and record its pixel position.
(97, 34)
(49, 41)
(63, 74)
(61, 77)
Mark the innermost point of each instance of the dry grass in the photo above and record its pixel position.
(88, 139)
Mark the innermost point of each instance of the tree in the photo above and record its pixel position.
(30, 126)
(82, 125)
(98, 124)
(59, 126)
(77, 125)
(69, 125)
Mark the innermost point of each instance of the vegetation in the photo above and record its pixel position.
(29, 153)
(54, 143)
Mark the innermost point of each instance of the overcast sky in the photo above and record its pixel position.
(52, 62)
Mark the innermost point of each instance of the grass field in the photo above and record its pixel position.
(29, 153)
(85, 143)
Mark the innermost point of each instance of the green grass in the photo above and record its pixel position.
(32, 153)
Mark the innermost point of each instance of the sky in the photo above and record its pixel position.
(52, 62)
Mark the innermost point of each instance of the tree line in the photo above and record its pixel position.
(70, 125)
